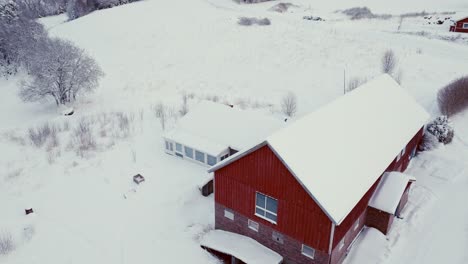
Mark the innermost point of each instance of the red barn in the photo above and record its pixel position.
(304, 191)
(460, 25)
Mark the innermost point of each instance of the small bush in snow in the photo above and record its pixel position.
(7, 244)
(389, 62)
(289, 104)
(453, 98)
(441, 129)
(248, 21)
(39, 135)
(83, 138)
(184, 108)
(161, 112)
(429, 142)
(281, 7)
(356, 13)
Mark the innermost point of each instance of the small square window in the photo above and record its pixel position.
(253, 225)
(200, 156)
(188, 152)
(465, 25)
(308, 251)
(178, 147)
(210, 160)
(169, 146)
(228, 214)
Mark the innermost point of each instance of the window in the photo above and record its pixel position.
(188, 152)
(224, 157)
(465, 25)
(308, 251)
(356, 225)
(228, 214)
(413, 152)
(253, 225)
(169, 146)
(200, 156)
(210, 160)
(266, 207)
(341, 245)
(178, 147)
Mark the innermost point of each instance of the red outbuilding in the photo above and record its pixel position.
(304, 191)
(460, 25)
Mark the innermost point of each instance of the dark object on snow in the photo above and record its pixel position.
(281, 7)
(441, 129)
(138, 179)
(207, 189)
(440, 22)
(249, 21)
(69, 113)
(312, 18)
(28, 211)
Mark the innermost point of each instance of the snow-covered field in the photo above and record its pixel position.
(87, 209)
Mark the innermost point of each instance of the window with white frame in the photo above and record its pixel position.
(465, 25)
(253, 225)
(308, 251)
(224, 157)
(266, 207)
(178, 147)
(228, 214)
(200, 156)
(210, 160)
(188, 152)
(169, 146)
(341, 245)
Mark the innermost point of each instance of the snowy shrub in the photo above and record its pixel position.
(161, 112)
(248, 21)
(252, 1)
(83, 138)
(356, 13)
(441, 129)
(281, 7)
(389, 62)
(398, 76)
(289, 104)
(453, 98)
(213, 98)
(39, 135)
(428, 142)
(355, 83)
(124, 122)
(7, 244)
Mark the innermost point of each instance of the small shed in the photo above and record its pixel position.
(388, 200)
(211, 132)
(460, 25)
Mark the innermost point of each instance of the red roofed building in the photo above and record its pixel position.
(304, 191)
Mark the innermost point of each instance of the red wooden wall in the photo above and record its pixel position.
(459, 26)
(298, 215)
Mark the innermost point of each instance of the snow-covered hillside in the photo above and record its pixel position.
(88, 210)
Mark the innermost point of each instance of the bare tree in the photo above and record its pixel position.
(389, 62)
(161, 112)
(289, 104)
(62, 71)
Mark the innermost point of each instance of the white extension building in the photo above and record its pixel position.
(211, 132)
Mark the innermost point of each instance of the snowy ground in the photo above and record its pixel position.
(153, 51)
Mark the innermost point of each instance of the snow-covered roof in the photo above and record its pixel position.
(244, 248)
(214, 127)
(388, 194)
(459, 16)
(339, 151)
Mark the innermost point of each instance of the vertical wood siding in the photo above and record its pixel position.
(298, 215)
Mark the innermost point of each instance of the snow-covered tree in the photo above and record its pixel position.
(61, 71)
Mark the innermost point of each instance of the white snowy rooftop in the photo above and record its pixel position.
(213, 127)
(244, 248)
(388, 194)
(339, 151)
